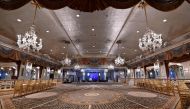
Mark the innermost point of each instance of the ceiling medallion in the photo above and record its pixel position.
(119, 60)
(29, 39)
(150, 40)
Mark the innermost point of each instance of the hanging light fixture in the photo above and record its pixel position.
(77, 66)
(119, 60)
(110, 67)
(67, 60)
(29, 39)
(150, 40)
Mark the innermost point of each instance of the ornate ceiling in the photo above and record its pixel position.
(126, 23)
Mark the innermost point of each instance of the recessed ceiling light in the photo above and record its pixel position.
(100, 51)
(165, 20)
(77, 15)
(135, 50)
(51, 50)
(93, 29)
(87, 51)
(93, 46)
(19, 20)
(124, 53)
(138, 31)
(62, 53)
(69, 29)
(64, 47)
(123, 47)
(47, 31)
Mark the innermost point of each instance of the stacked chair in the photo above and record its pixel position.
(158, 85)
(184, 94)
(6, 84)
(24, 87)
(167, 87)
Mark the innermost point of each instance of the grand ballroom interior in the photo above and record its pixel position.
(94, 54)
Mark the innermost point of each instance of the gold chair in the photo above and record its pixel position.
(43, 84)
(159, 86)
(18, 89)
(170, 87)
(37, 86)
(54, 82)
(184, 94)
(29, 87)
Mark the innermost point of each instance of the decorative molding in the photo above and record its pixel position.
(17, 54)
(168, 53)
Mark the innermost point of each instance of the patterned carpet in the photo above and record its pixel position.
(101, 96)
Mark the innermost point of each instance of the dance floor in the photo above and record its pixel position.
(94, 96)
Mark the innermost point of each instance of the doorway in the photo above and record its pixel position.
(94, 75)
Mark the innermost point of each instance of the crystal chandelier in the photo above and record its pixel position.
(119, 60)
(111, 67)
(29, 39)
(67, 61)
(150, 40)
(77, 67)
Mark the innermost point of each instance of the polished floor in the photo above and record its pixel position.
(94, 96)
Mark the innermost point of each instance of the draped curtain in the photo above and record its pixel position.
(92, 5)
